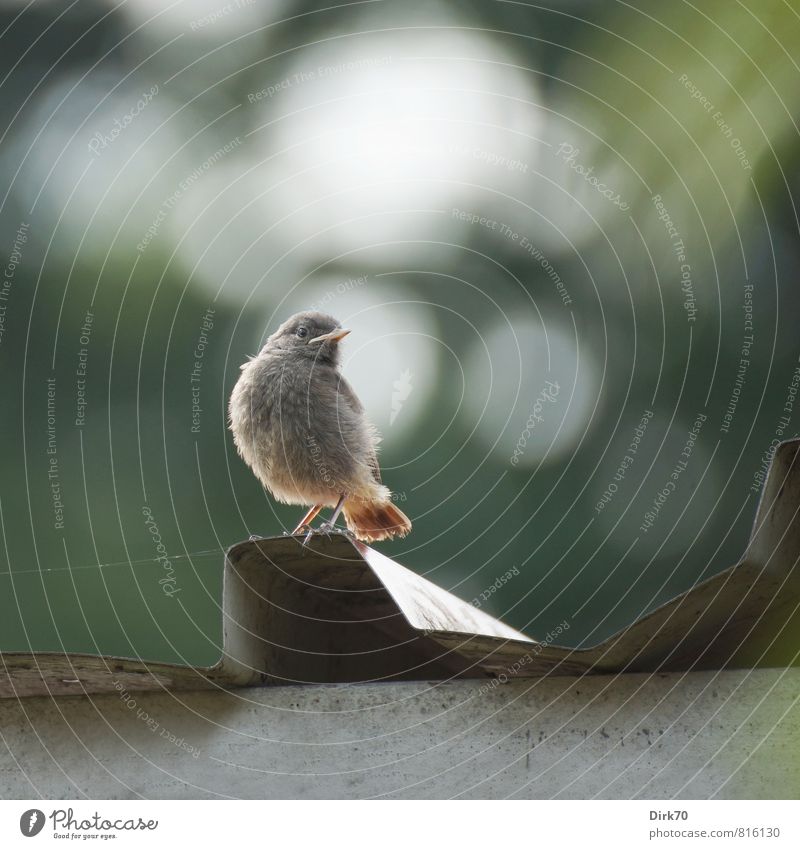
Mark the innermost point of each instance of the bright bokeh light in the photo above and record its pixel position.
(92, 157)
(512, 401)
(426, 124)
(211, 20)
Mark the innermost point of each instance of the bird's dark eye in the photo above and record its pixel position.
(302, 332)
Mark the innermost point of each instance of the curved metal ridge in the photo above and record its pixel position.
(338, 611)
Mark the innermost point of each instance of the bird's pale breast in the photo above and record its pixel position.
(301, 437)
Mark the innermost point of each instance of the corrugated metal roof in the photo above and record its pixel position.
(338, 611)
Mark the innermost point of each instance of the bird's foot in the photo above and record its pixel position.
(329, 528)
(255, 537)
(300, 529)
(326, 528)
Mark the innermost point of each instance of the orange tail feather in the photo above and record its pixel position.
(374, 521)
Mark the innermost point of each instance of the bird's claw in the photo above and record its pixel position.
(327, 529)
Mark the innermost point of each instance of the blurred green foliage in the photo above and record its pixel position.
(605, 77)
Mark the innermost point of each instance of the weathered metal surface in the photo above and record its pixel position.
(338, 611)
(428, 607)
(732, 734)
(72, 674)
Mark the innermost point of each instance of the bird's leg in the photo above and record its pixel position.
(308, 518)
(327, 527)
(337, 511)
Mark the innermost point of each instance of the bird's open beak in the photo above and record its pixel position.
(333, 336)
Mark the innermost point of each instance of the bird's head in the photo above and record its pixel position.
(312, 335)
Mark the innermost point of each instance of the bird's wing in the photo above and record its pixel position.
(348, 395)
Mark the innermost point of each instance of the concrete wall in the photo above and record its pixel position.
(724, 734)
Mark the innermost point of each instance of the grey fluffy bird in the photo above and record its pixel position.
(300, 427)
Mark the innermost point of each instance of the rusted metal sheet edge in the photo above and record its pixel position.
(703, 627)
(57, 674)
